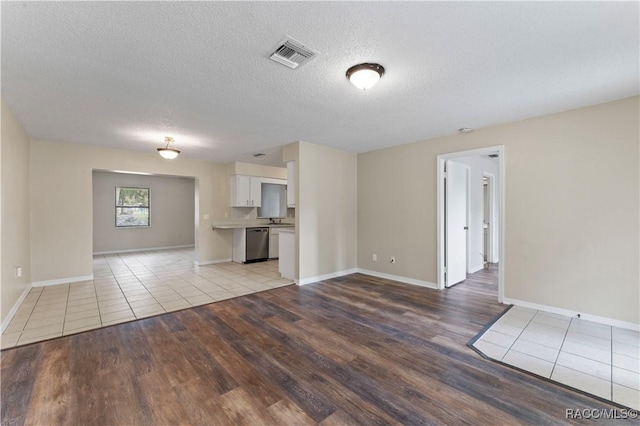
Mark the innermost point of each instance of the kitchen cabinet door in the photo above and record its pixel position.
(246, 191)
(274, 247)
(255, 192)
(240, 191)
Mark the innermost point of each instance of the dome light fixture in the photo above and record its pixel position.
(364, 76)
(166, 151)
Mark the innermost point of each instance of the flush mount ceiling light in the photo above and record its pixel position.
(364, 76)
(166, 151)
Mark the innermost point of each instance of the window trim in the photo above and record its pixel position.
(117, 206)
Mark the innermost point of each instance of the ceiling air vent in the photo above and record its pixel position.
(292, 53)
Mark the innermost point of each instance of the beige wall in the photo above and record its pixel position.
(572, 208)
(15, 247)
(326, 216)
(249, 169)
(62, 202)
(171, 207)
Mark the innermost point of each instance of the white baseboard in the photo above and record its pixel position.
(476, 269)
(212, 262)
(573, 314)
(14, 309)
(310, 280)
(405, 280)
(98, 253)
(62, 281)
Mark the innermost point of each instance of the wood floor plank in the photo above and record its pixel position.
(243, 372)
(51, 389)
(314, 404)
(18, 372)
(285, 412)
(350, 350)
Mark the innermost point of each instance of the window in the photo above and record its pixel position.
(132, 207)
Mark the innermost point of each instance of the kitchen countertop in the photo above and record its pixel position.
(242, 226)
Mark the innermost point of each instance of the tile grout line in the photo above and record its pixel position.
(612, 363)
(66, 306)
(533, 356)
(28, 318)
(30, 313)
(120, 287)
(146, 288)
(517, 337)
(97, 300)
(564, 338)
(588, 359)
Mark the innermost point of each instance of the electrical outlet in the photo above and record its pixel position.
(18, 271)
(393, 259)
(205, 216)
(374, 257)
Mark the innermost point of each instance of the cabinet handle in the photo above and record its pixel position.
(251, 202)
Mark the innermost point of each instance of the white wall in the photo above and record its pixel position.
(14, 223)
(479, 165)
(571, 199)
(171, 199)
(62, 203)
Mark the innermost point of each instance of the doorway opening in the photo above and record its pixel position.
(470, 215)
(165, 217)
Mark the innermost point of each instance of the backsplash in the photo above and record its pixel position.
(251, 213)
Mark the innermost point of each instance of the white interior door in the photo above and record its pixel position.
(456, 222)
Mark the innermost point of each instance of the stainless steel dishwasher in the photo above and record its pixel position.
(257, 244)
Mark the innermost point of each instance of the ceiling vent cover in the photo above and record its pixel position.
(292, 53)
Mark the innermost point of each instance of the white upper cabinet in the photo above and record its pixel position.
(255, 192)
(246, 191)
(291, 183)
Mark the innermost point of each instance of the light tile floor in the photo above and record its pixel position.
(133, 286)
(595, 358)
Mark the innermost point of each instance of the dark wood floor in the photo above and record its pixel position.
(353, 350)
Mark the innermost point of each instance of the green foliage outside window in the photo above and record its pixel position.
(132, 207)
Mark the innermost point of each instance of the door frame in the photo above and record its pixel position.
(491, 188)
(440, 212)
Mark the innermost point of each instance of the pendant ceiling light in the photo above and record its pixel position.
(167, 151)
(364, 76)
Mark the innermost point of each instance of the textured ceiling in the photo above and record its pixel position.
(125, 74)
